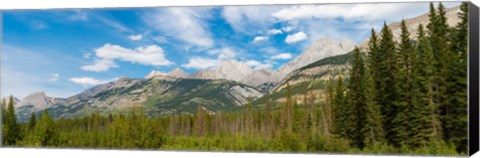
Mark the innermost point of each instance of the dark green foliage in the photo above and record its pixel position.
(10, 128)
(357, 100)
(385, 80)
(424, 117)
(455, 108)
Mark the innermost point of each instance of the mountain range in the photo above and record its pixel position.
(229, 85)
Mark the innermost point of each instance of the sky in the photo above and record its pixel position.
(66, 51)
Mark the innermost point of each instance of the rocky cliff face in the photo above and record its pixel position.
(229, 70)
(320, 49)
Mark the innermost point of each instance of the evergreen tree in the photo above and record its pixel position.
(12, 129)
(45, 132)
(427, 123)
(32, 121)
(357, 100)
(373, 127)
(405, 92)
(385, 80)
(340, 111)
(455, 109)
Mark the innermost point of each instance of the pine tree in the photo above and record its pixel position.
(386, 79)
(45, 132)
(12, 129)
(404, 90)
(340, 111)
(427, 123)
(32, 121)
(357, 100)
(373, 127)
(455, 107)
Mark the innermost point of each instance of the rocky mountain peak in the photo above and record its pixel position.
(154, 73)
(228, 69)
(178, 73)
(39, 100)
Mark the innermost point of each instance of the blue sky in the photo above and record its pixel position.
(66, 51)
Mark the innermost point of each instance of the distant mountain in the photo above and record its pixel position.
(228, 69)
(37, 101)
(261, 76)
(176, 73)
(318, 50)
(158, 96)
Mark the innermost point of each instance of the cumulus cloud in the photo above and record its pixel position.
(184, 24)
(146, 55)
(223, 53)
(282, 56)
(87, 81)
(135, 37)
(54, 77)
(274, 31)
(258, 65)
(259, 38)
(297, 37)
(100, 65)
(350, 11)
(246, 18)
(200, 63)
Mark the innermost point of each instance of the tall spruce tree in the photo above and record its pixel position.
(386, 76)
(426, 123)
(373, 127)
(12, 128)
(404, 79)
(341, 111)
(357, 99)
(455, 109)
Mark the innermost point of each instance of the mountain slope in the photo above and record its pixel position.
(228, 69)
(320, 49)
(158, 96)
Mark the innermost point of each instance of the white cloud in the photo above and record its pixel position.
(87, 81)
(274, 31)
(223, 53)
(282, 56)
(109, 22)
(297, 37)
(184, 24)
(258, 65)
(370, 11)
(54, 77)
(100, 65)
(86, 55)
(269, 50)
(135, 37)
(146, 55)
(259, 38)
(288, 28)
(200, 63)
(247, 18)
(161, 39)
